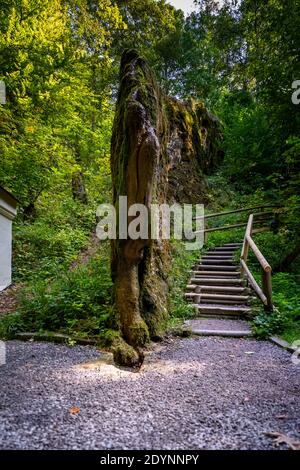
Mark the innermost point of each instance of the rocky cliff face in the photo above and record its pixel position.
(192, 148)
(160, 149)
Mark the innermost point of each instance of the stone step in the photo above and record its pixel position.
(219, 316)
(216, 261)
(216, 258)
(217, 309)
(233, 244)
(217, 255)
(232, 274)
(207, 274)
(191, 287)
(216, 267)
(200, 299)
(226, 303)
(223, 333)
(225, 249)
(216, 281)
(220, 289)
(220, 253)
(219, 297)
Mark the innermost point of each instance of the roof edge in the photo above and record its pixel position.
(9, 194)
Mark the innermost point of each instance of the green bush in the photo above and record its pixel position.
(285, 320)
(10, 324)
(77, 301)
(182, 263)
(49, 243)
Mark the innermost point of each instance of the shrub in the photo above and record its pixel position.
(77, 301)
(285, 320)
(182, 263)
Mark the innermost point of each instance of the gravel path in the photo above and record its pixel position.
(196, 393)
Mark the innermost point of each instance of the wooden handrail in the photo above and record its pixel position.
(265, 294)
(254, 284)
(262, 260)
(224, 227)
(236, 211)
(262, 217)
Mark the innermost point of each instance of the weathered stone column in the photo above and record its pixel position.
(158, 152)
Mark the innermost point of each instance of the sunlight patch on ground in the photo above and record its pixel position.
(106, 369)
(173, 367)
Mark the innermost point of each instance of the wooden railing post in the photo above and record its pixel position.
(244, 254)
(265, 294)
(267, 289)
(245, 249)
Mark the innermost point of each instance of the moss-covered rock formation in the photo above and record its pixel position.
(160, 149)
(193, 149)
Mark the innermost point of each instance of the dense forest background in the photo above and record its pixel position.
(60, 60)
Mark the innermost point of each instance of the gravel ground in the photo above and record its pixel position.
(194, 393)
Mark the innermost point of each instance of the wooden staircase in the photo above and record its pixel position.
(218, 291)
(221, 288)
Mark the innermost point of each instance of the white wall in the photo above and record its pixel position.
(5, 251)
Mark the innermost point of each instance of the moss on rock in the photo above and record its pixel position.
(126, 355)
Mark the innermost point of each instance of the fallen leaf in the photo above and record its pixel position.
(281, 417)
(280, 438)
(75, 410)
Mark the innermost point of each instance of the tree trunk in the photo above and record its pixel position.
(137, 160)
(78, 188)
(285, 264)
(29, 211)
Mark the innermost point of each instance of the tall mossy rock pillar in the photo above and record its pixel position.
(139, 171)
(157, 152)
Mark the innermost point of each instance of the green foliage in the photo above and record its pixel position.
(152, 26)
(273, 246)
(182, 263)
(250, 145)
(285, 320)
(58, 115)
(108, 337)
(220, 194)
(266, 325)
(76, 301)
(46, 246)
(10, 324)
